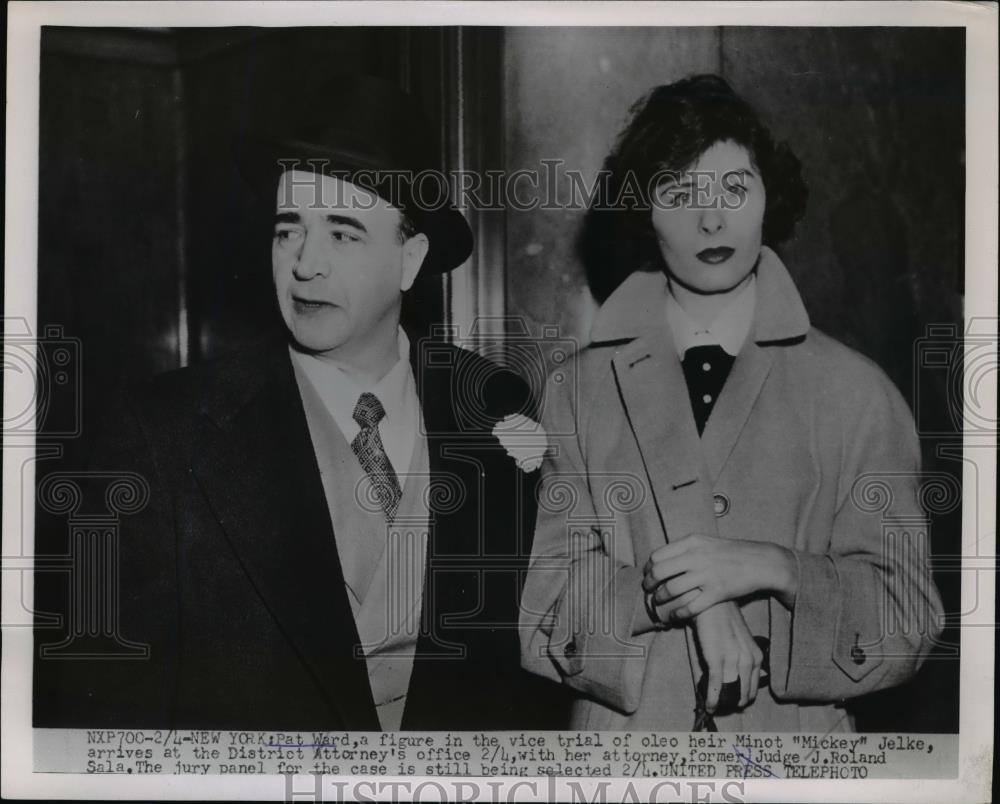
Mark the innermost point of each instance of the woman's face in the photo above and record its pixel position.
(708, 220)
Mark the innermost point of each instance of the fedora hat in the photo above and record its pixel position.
(369, 132)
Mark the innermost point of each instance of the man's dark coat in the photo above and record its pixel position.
(231, 574)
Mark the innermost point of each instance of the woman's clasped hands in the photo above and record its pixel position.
(698, 579)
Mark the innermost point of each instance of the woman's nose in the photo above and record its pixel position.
(711, 221)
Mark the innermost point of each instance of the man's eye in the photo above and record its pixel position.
(286, 235)
(344, 236)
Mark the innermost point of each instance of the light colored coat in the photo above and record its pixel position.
(809, 446)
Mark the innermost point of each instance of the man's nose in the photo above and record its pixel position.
(313, 259)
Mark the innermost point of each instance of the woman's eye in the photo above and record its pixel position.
(737, 191)
(676, 197)
(734, 196)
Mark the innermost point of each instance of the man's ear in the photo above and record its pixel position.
(414, 251)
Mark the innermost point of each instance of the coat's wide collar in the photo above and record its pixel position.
(639, 303)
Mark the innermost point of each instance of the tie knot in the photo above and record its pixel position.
(369, 411)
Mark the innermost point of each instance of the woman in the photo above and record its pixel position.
(706, 554)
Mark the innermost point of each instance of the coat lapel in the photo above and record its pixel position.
(359, 534)
(440, 427)
(257, 468)
(733, 407)
(780, 317)
(654, 395)
(456, 535)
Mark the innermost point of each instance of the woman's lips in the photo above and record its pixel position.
(713, 256)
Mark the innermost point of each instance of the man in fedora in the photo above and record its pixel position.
(335, 538)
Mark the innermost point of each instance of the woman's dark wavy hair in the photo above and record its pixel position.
(671, 127)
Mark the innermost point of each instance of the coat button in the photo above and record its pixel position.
(570, 649)
(720, 504)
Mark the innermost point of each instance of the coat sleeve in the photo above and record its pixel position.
(580, 604)
(867, 612)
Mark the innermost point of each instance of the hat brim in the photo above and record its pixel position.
(261, 162)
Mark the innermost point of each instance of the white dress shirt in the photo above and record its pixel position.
(729, 329)
(396, 391)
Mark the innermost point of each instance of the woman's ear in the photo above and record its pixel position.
(414, 252)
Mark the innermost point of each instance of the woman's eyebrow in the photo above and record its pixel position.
(675, 181)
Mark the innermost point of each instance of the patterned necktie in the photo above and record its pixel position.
(367, 445)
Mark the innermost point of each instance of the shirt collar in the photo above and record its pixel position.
(340, 393)
(636, 307)
(729, 330)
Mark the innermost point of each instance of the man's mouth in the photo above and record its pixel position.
(303, 305)
(713, 256)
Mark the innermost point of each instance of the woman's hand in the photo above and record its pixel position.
(689, 576)
(729, 652)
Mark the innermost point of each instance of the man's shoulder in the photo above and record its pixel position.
(224, 380)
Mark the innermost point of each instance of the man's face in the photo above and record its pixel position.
(339, 263)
